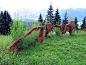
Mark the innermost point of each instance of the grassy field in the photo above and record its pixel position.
(57, 50)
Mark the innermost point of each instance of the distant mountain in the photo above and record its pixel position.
(80, 13)
(28, 20)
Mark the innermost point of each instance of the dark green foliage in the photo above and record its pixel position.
(50, 17)
(2, 22)
(76, 23)
(65, 21)
(40, 20)
(84, 23)
(5, 22)
(57, 17)
(84, 20)
(76, 20)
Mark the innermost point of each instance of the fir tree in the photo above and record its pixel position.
(50, 16)
(2, 24)
(76, 25)
(84, 23)
(65, 21)
(57, 17)
(40, 19)
(5, 19)
(6, 22)
(76, 20)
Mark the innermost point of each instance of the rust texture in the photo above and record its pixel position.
(13, 46)
(69, 25)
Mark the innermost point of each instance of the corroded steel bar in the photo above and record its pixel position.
(69, 25)
(13, 46)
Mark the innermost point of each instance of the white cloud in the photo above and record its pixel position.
(36, 5)
(41, 4)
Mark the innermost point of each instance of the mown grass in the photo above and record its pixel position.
(54, 50)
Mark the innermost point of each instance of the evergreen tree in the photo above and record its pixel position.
(40, 19)
(9, 18)
(2, 23)
(84, 23)
(65, 21)
(76, 20)
(76, 25)
(57, 17)
(50, 17)
(5, 20)
(10, 22)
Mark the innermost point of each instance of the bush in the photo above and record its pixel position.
(57, 30)
(18, 30)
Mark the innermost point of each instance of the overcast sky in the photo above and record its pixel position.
(36, 5)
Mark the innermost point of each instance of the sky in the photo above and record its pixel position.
(37, 5)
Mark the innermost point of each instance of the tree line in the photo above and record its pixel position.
(53, 19)
(5, 22)
(56, 18)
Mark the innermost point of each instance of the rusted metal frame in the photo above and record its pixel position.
(13, 46)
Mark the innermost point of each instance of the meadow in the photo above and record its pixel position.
(61, 49)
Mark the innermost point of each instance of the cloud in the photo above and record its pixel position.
(36, 5)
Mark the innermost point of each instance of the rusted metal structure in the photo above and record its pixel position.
(13, 46)
(67, 26)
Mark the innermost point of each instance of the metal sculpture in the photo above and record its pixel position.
(13, 46)
(69, 25)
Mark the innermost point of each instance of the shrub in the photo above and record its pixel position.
(18, 29)
(57, 30)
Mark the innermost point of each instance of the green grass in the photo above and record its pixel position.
(54, 50)
(58, 50)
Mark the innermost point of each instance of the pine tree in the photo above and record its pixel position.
(5, 19)
(84, 23)
(6, 22)
(10, 22)
(9, 18)
(2, 24)
(57, 17)
(76, 25)
(76, 20)
(65, 21)
(40, 19)
(50, 16)
(84, 20)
